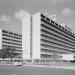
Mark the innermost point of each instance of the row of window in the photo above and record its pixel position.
(50, 56)
(62, 33)
(55, 47)
(58, 32)
(4, 45)
(56, 37)
(11, 33)
(46, 56)
(46, 42)
(11, 36)
(51, 21)
(50, 47)
(15, 49)
(51, 51)
(12, 40)
(50, 42)
(67, 32)
(11, 43)
(57, 40)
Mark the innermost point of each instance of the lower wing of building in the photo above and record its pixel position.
(11, 39)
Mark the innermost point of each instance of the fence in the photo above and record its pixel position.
(33, 61)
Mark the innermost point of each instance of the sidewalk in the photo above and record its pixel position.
(45, 66)
(48, 66)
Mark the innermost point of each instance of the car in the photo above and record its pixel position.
(17, 63)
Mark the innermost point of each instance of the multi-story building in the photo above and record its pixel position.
(11, 39)
(44, 38)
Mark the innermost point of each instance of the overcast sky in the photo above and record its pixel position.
(63, 9)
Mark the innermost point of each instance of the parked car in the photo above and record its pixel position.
(17, 63)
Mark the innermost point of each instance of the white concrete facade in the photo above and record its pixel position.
(26, 37)
(0, 38)
(36, 36)
(27, 24)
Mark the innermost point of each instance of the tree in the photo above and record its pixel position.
(8, 52)
(2, 54)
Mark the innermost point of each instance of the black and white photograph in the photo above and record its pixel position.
(37, 37)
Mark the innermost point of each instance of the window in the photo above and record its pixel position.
(56, 24)
(52, 21)
(15, 34)
(63, 28)
(59, 26)
(20, 35)
(47, 19)
(11, 33)
(42, 16)
(5, 31)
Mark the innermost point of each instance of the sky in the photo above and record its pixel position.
(11, 9)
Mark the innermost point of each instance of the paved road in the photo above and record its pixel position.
(26, 70)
